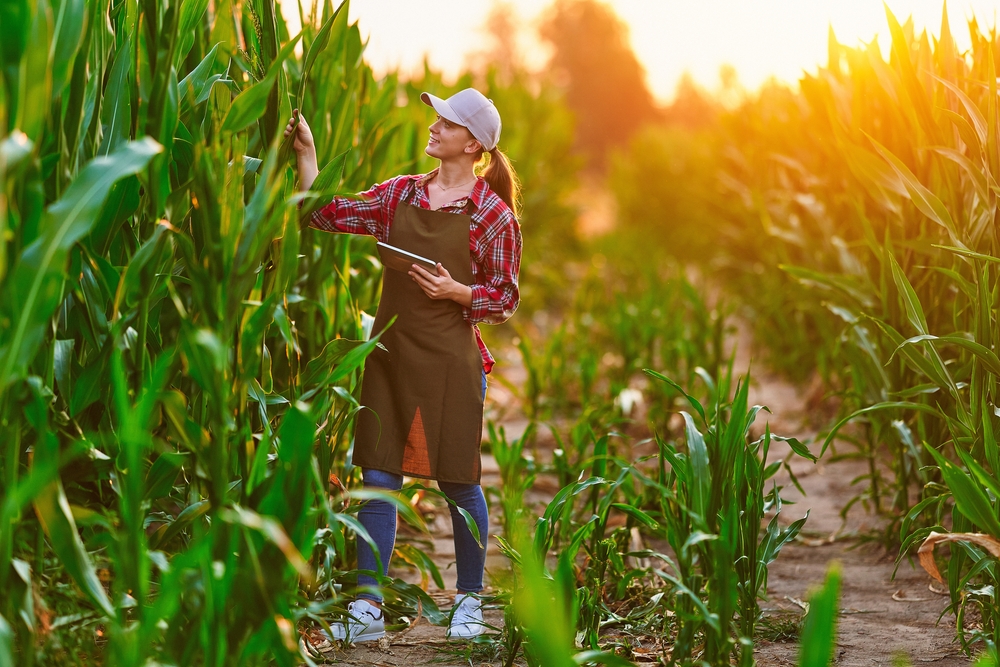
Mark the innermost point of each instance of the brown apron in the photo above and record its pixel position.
(422, 394)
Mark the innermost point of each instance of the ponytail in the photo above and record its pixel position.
(499, 175)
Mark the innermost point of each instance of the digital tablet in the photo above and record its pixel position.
(401, 260)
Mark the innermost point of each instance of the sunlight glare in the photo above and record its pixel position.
(762, 39)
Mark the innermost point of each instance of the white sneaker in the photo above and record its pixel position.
(466, 618)
(365, 623)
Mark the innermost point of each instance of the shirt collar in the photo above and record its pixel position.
(477, 195)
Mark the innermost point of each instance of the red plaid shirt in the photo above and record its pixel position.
(494, 240)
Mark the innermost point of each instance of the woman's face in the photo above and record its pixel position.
(448, 140)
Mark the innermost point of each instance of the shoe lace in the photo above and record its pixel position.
(357, 615)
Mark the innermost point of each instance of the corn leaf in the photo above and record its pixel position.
(819, 630)
(969, 496)
(54, 513)
(34, 288)
(925, 200)
(252, 102)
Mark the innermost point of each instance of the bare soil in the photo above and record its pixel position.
(883, 618)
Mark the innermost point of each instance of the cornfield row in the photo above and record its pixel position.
(180, 364)
(871, 199)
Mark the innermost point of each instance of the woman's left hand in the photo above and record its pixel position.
(441, 286)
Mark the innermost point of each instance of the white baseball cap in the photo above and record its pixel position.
(469, 108)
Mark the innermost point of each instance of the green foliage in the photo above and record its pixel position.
(712, 499)
(706, 500)
(149, 236)
(866, 247)
(666, 191)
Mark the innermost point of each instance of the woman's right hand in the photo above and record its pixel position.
(305, 149)
(303, 143)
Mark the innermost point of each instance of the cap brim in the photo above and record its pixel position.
(442, 107)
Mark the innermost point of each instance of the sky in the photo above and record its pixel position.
(760, 38)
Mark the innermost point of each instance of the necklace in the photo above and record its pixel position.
(453, 187)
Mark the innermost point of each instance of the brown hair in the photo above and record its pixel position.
(499, 174)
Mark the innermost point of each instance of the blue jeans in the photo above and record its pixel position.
(379, 519)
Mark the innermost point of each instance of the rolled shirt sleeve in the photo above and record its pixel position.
(495, 296)
(370, 212)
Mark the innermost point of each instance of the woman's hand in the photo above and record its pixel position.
(303, 143)
(305, 149)
(441, 286)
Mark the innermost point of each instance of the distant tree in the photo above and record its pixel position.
(692, 107)
(605, 84)
(500, 53)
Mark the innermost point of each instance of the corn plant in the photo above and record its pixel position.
(711, 501)
(974, 554)
(517, 473)
(622, 319)
(907, 227)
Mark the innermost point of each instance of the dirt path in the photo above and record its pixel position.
(882, 618)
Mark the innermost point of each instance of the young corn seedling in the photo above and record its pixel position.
(713, 499)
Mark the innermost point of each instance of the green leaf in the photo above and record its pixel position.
(914, 311)
(163, 472)
(663, 378)
(168, 531)
(422, 561)
(965, 130)
(887, 405)
(819, 629)
(15, 148)
(252, 102)
(601, 658)
(146, 263)
(192, 12)
(971, 108)
(34, 289)
(975, 173)
(323, 188)
(919, 98)
(988, 358)
(315, 49)
(6, 643)
(922, 198)
(969, 496)
(91, 383)
(116, 109)
(797, 447)
(321, 366)
(934, 371)
(69, 31)
(56, 518)
(965, 252)
(637, 514)
(33, 76)
(199, 80)
(701, 482)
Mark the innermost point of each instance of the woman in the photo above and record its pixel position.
(425, 390)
